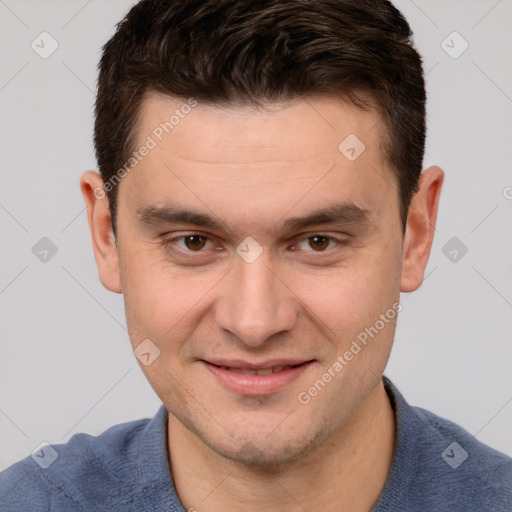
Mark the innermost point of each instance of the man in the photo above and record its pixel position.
(260, 207)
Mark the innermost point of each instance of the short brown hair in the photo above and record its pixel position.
(256, 51)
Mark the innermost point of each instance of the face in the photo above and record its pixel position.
(255, 255)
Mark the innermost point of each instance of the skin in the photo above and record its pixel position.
(252, 170)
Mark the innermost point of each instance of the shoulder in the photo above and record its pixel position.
(438, 465)
(464, 455)
(66, 476)
(464, 466)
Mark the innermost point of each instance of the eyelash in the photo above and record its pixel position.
(173, 241)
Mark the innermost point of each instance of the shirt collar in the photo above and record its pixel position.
(154, 469)
(407, 433)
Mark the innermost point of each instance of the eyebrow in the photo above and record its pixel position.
(341, 213)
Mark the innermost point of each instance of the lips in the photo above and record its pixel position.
(259, 378)
(258, 371)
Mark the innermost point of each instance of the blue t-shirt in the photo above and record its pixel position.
(437, 466)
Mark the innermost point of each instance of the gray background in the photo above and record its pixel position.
(65, 360)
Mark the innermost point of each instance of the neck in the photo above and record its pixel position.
(346, 472)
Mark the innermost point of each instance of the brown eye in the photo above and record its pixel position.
(318, 242)
(195, 242)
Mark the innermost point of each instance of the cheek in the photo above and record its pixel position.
(347, 302)
(166, 304)
(357, 292)
(163, 304)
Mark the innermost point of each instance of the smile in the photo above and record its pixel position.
(261, 371)
(258, 378)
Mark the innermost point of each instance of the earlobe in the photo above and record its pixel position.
(420, 229)
(100, 225)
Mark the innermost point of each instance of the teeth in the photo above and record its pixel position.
(264, 371)
(261, 371)
(245, 371)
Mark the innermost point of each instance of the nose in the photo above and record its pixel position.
(255, 304)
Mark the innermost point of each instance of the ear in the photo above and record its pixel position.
(420, 228)
(100, 224)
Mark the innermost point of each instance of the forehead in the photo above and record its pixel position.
(267, 159)
(236, 134)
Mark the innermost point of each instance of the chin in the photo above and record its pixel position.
(259, 453)
(256, 438)
(256, 449)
